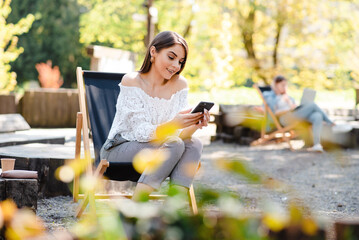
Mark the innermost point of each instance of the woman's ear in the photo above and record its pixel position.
(153, 51)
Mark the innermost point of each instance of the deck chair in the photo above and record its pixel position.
(280, 132)
(98, 92)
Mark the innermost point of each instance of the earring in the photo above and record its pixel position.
(152, 59)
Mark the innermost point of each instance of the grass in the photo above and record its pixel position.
(344, 99)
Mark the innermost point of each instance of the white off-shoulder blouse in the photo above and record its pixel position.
(138, 114)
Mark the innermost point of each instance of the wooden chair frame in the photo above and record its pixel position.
(280, 130)
(82, 128)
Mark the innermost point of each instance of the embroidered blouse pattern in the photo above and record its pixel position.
(138, 114)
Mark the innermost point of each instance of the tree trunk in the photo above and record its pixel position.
(150, 24)
(247, 28)
(276, 45)
(188, 26)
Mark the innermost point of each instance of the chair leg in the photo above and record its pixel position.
(76, 186)
(192, 200)
(90, 196)
(82, 206)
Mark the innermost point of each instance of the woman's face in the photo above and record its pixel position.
(281, 88)
(168, 61)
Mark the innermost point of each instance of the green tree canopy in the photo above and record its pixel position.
(234, 42)
(54, 36)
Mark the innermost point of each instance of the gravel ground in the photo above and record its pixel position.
(326, 183)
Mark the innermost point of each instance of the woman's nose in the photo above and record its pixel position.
(177, 65)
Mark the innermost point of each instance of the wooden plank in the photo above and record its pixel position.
(50, 107)
(8, 104)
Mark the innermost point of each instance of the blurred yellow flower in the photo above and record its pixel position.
(275, 222)
(164, 131)
(296, 213)
(65, 173)
(25, 224)
(72, 168)
(309, 226)
(149, 159)
(9, 209)
(90, 183)
(79, 165)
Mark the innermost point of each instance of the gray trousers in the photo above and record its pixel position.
(311, 113)
(180, 166)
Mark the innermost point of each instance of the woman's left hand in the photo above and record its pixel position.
(204, 121)
(188, 132)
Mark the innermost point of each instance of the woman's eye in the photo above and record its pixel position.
(170, 57)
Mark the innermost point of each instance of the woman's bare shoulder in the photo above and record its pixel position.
(130, 79)
(180, 82)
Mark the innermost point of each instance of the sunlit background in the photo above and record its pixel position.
(232, 43)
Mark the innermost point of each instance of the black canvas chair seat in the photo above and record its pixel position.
(102, 91)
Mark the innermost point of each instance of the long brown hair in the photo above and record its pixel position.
(163, 40)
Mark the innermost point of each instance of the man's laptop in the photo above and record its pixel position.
(308, 96)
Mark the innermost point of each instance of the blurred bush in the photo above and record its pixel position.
(9, 51)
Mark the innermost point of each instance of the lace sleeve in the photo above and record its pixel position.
(132, 118)
(139, 120)
(183, 100)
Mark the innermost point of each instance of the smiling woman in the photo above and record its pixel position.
(151, 114)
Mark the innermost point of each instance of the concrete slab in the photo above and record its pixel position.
(68, 133)
(12, 122)
(39, 150)
(11, 139)
(45, 159)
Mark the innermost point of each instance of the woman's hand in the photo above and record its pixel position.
(204, 121)
(289, 101)
(186, 118)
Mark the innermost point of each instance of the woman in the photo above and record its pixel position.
(150, 100)
(288, 112)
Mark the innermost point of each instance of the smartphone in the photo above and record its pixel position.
(201, 106)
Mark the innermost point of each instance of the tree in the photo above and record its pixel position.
(112, 23)
(54, 36)
(236, 42)
(9, 51)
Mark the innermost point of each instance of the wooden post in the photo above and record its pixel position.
(150, 24)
